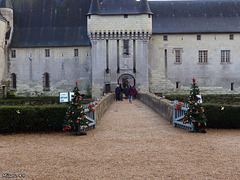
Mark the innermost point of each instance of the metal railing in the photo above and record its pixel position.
(91, 118)
(178, 116)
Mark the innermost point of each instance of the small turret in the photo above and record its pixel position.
(94, 8)
(6, 9)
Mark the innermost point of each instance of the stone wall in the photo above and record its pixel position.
(107, 34)
(162, 106)
(213, 77)
(103, 105)
(62, 66)
(117, 23)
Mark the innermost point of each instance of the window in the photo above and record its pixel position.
(225, 56)
(149, 16)
(203, 56)
(13, 52)
(14, 80)
(126, 47)
(178, 55)
(165, 38)
(198, 37)
(177, 85)
(125, 16)
(232, 86)
(165, 59)
(46, 82)
(231, 36)
(47, 52)
(75, 52)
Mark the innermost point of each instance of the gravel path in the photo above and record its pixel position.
(130, 142)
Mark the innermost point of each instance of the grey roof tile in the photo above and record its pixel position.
(196, 16)
(42, 23)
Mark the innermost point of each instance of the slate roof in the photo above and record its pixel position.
(45, 23)
(114, 7)
(203, 16)
(94, 7)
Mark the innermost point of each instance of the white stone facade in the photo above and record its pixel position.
(109, 61)
(63, 67)
(141, 23)
(213, 76)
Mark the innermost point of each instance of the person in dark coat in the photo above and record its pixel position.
(130, 93)
(126, 92)
(121, 94)
(118, 92)
(134, 92)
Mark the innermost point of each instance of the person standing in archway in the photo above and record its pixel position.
(117, 92)
(126, 92)
(122, 90)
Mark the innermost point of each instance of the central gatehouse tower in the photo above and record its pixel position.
(119, 32)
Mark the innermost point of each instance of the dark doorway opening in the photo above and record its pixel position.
(126, 80)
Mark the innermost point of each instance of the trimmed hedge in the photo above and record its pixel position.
(31, 118)
(222, 116)
(50, 118)
(35, 101)
(210, 98)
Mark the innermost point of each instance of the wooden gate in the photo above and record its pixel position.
(178, 115)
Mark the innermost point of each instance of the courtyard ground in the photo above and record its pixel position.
(130, 142)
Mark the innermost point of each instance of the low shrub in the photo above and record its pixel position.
(232, 99)
(223, 116)
(35, 101)
(31, 118)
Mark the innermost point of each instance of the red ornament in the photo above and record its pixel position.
(76, 83)
(193, 80)
(197, 112)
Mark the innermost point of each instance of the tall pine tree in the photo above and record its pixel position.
(75, 118)
(195, 113)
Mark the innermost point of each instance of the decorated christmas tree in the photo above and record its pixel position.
(195, 113)
(75, 118)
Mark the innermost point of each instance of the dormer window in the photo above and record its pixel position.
(47, 52)
(198, 37)
(125, 16)
(165, 37)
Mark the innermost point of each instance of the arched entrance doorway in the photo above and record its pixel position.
(126, 80)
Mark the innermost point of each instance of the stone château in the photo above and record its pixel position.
(158, 46)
